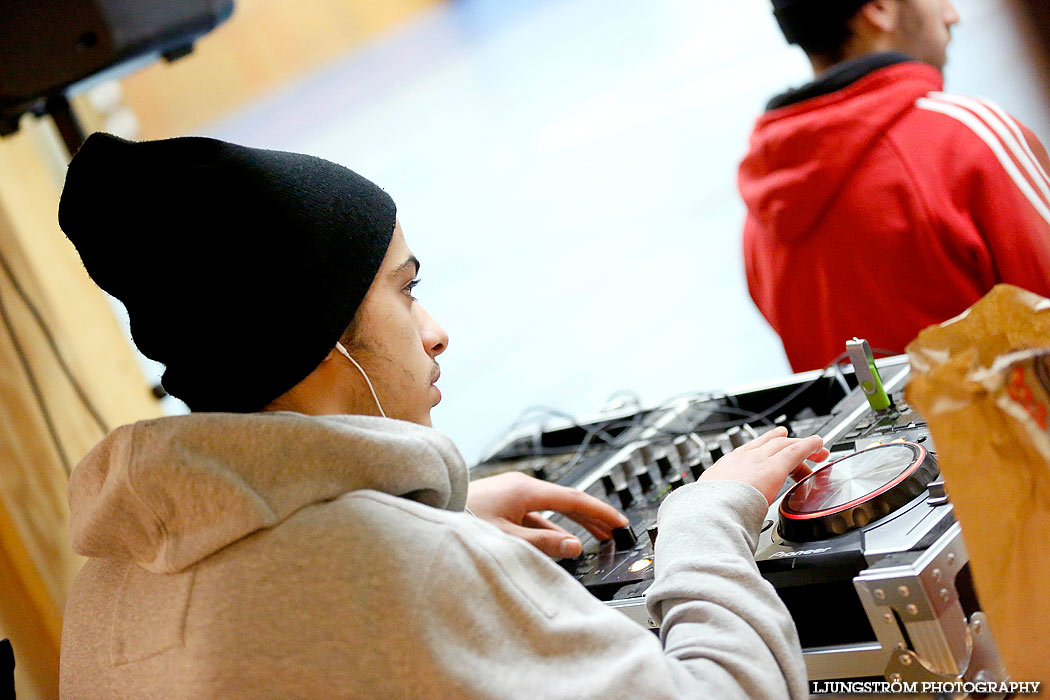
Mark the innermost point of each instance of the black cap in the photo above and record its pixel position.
(240, 267)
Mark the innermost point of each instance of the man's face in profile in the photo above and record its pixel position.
(396, 340)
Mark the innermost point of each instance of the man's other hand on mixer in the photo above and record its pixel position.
(510, 502)
(767, 461)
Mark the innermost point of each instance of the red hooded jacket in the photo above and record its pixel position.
(887, 206)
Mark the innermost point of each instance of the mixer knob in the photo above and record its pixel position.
(625, 496)
(675, 481)
(624, 538)
(609, 485)
(782, 421)
(738, 436)
(716, 452)
(644, 454)
(688, 447)
(645, 480)
(663, 463)
(540, 473)
(652, 531)
(626, 468)
(696, 469)
(684, 448)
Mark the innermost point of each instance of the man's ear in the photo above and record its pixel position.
(879, 16)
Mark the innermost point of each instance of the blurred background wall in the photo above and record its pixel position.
(565, 169)
(566, 172)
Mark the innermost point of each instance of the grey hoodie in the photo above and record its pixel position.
(286, 556)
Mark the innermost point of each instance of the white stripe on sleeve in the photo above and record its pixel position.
(1014, 127)
(985, 134)
(1008, 131)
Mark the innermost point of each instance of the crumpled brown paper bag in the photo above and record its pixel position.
(982, 382)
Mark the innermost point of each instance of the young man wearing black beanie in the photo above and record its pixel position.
(304, 532)
(901, 205)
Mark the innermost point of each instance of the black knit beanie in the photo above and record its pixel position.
(805, 22)
(240, 268)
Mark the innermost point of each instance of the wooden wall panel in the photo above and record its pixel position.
(265, 44)
(37, 563)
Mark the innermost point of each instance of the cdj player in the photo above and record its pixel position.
(864, 552)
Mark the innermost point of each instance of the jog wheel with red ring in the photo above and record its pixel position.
(851, 492)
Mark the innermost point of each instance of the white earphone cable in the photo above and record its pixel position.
(340, 348)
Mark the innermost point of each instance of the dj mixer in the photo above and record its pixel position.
(864, 552)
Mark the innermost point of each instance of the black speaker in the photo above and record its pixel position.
(50, 46)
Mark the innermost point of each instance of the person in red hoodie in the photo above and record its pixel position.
(902, 204)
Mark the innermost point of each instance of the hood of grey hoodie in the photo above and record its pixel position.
(166, 493)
